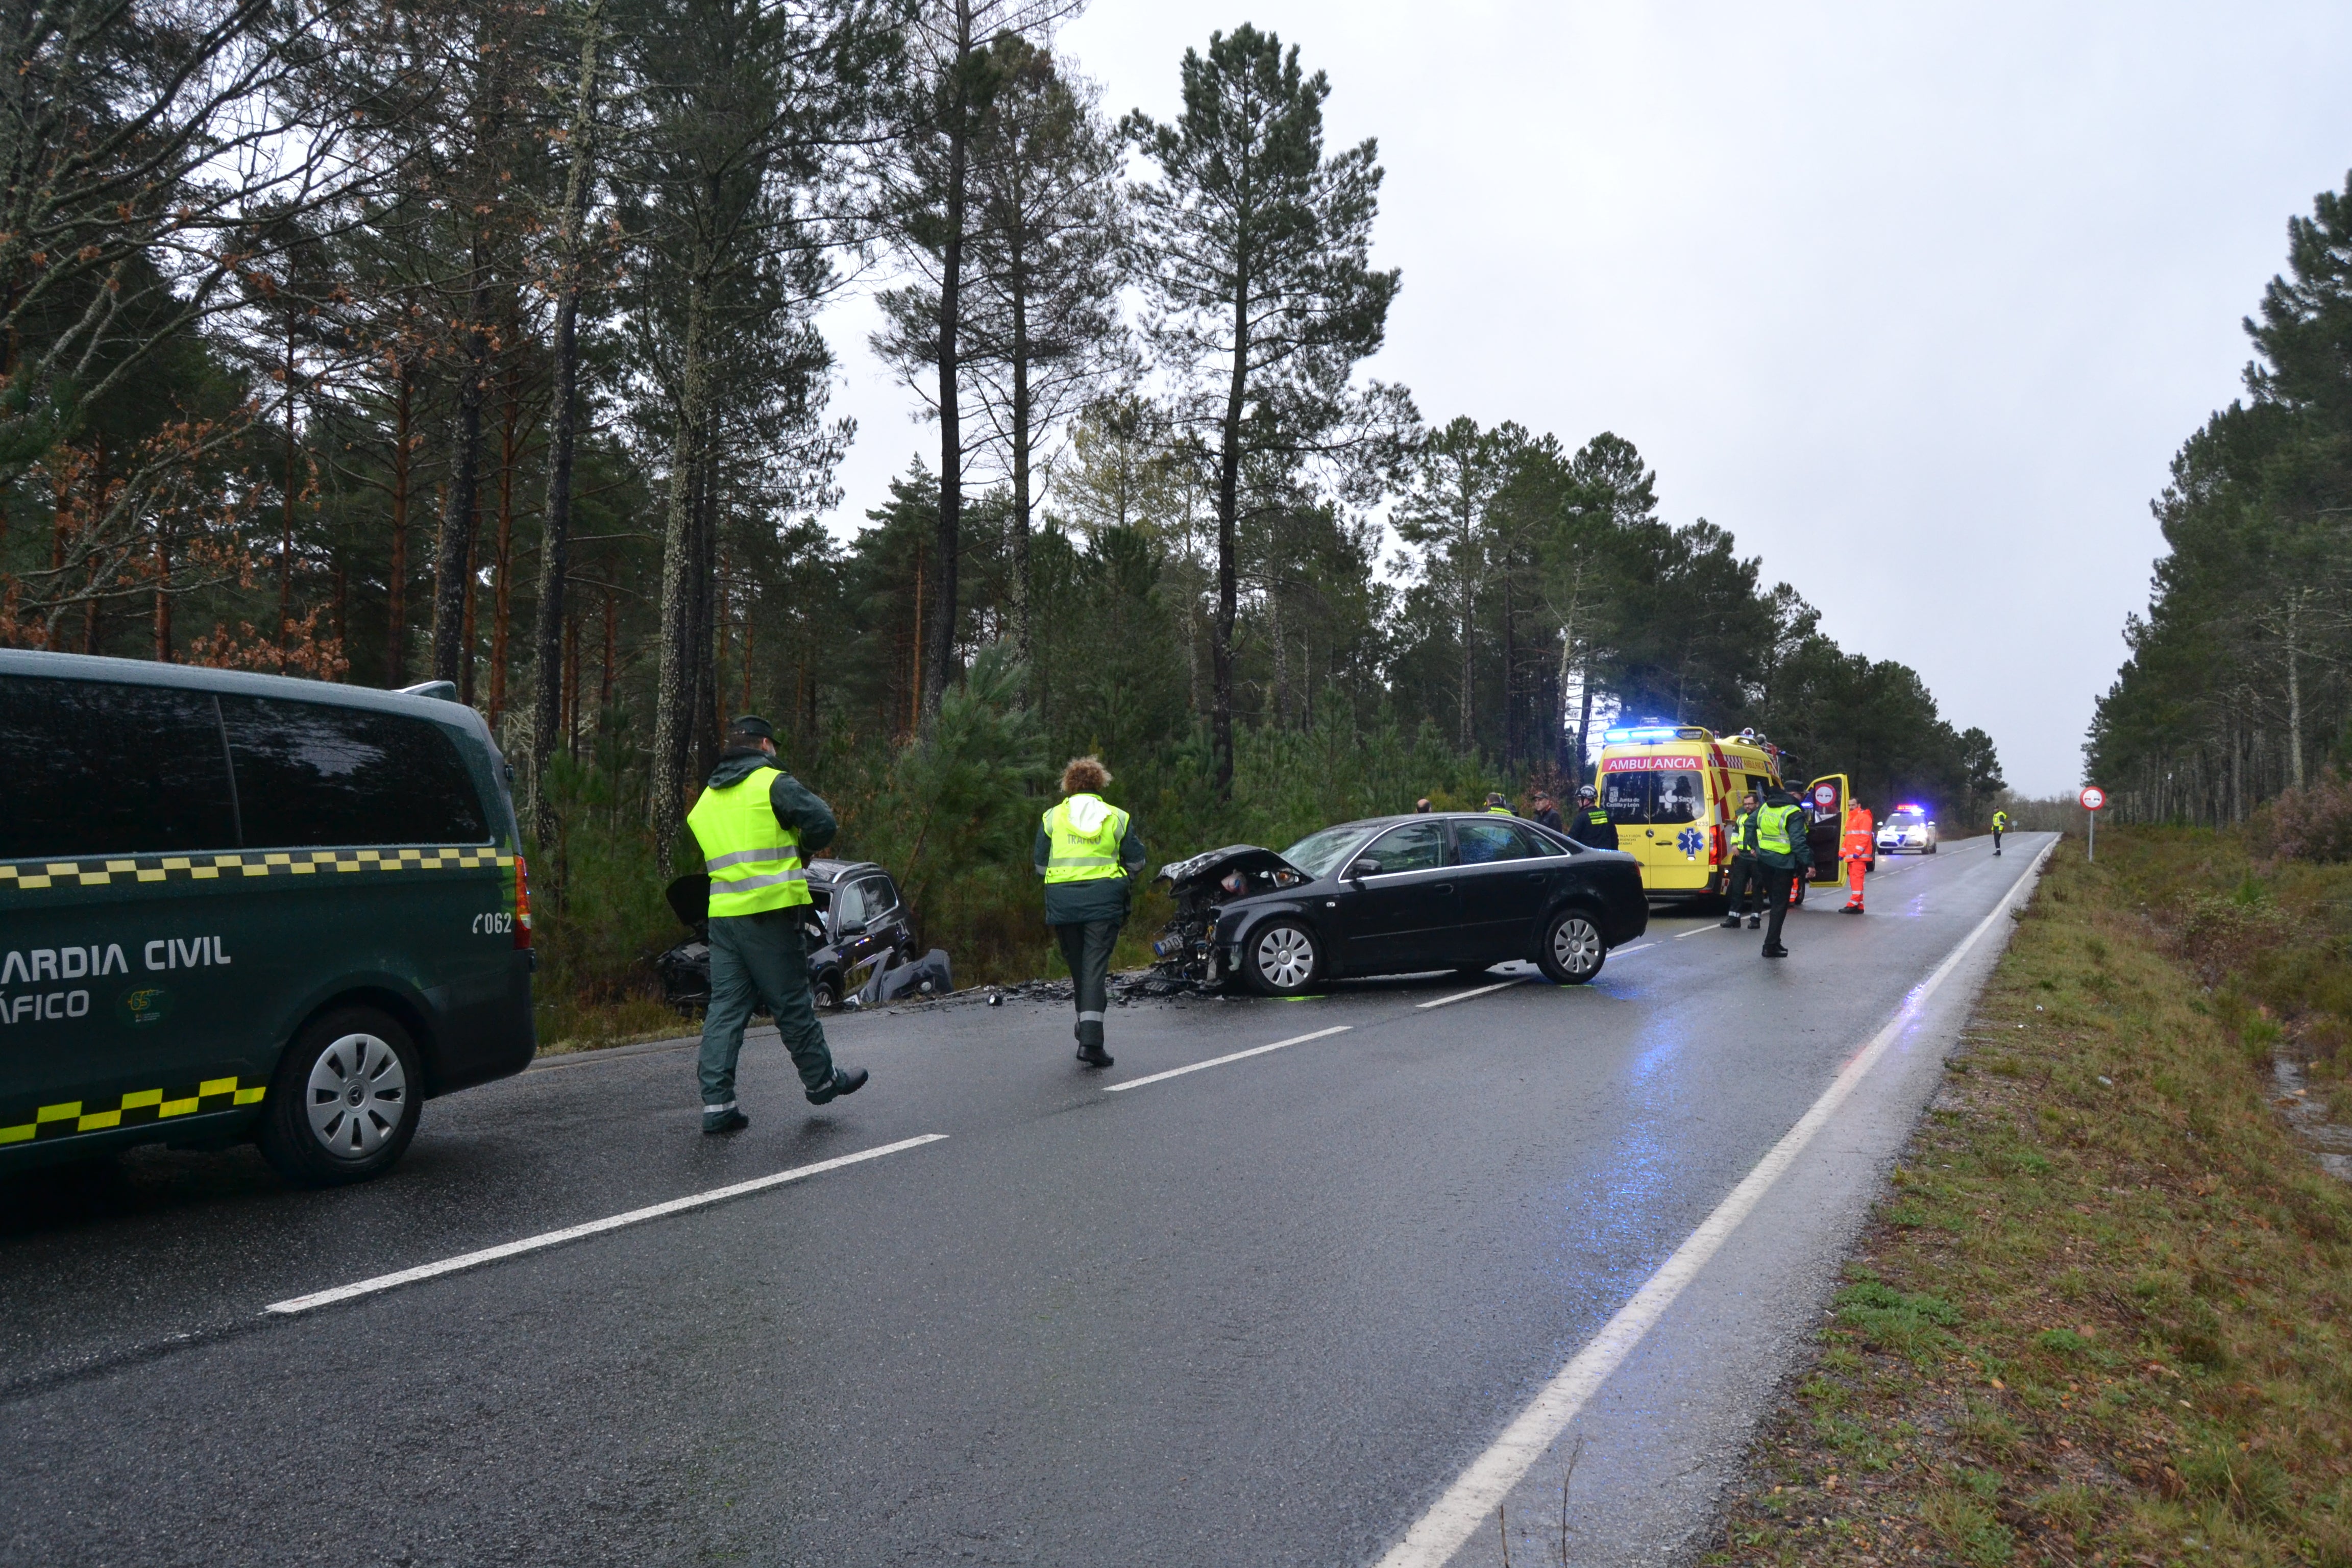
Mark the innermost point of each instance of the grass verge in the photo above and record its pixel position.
(2099, 1317)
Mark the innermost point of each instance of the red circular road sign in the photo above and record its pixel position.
(2094, 797)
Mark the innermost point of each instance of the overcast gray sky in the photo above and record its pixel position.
(1918, 300)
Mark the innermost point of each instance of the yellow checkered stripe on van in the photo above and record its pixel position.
(34, 875)
(133, 1109)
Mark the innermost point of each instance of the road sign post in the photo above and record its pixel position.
(2095, 800)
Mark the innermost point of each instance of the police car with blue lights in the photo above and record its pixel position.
(1906, 830)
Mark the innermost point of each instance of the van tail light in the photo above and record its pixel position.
(1715, 844)
(523, 902)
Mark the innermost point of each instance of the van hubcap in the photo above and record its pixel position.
(1576, 946)
(1286, 958)
(358, 1092)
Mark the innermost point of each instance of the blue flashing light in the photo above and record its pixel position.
(1645, 734)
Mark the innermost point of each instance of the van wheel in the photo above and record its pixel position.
(345, 1100)
(1572, 952)
(1282, 960)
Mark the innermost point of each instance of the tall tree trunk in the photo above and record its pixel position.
(1018, 273)
(1229, 473)
(1584, 724)
(453, 556)
(395, 642)
(473, 610)
(2294, 689)
(673, 688)
(502, 565)
(705, 750)
(548, 664)
(1510, 660)
(940, 661)
(286, 544)
(163, 593)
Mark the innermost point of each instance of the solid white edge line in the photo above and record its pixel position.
(1621, 952)
(592, 1227)
(1471, 1500)
(1220, 1061)
(1466, 995)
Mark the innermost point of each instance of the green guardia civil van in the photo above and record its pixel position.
(242, 906)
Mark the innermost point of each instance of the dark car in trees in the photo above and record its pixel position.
(1400, 895)
(855, 919)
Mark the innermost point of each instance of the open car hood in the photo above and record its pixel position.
(1212, 864)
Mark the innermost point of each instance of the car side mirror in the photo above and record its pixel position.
(1366, 867)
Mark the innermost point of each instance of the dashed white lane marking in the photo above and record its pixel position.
(1466, 995)
(593, 1227)
(1696, 930)
(1637, 947)
(1471, 1500)
(1220, 1061)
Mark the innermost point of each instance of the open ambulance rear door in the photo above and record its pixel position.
(1824, 802)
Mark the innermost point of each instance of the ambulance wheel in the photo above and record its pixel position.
(1282, 958)
(1572, 952)
(345, 1100)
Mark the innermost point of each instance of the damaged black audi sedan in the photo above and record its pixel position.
(1400, 895)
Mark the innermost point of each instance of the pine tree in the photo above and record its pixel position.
(1256, 253)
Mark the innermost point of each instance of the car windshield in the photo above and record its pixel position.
(1653, 795)
(1904, 819)
(1319, 854)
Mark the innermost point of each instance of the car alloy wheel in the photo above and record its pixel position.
(1283, 958)
(357, 1096)
(1572, 950)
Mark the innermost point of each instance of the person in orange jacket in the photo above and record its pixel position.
(1855, 849)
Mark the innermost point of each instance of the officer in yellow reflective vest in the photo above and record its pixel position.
(753, 820)
(1999, 826)
(1496, 806)
(1783, 855)
(1087, 852)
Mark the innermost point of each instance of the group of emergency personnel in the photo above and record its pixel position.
(755, 823)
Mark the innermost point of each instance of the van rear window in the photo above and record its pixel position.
(308, 775)
(95, 768)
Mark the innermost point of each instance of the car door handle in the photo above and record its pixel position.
(1443, 888)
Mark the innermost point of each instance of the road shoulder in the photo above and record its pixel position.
(2097, 1312)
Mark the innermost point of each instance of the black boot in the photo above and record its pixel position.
(732, 1120)
(843, 1083)
(1094, 1055)
(1729, 923)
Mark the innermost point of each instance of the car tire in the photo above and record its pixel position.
(825, 992)
(1933, 848)
(1571, 950)
(1282, 958)
(345, 1099)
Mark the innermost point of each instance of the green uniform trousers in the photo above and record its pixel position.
(1086, 948)
(758, 959)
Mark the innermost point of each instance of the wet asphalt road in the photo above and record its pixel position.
(1260, 1313)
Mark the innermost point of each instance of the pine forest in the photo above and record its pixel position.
(482, 343)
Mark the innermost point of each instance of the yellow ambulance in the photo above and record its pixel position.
(1673, 789)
